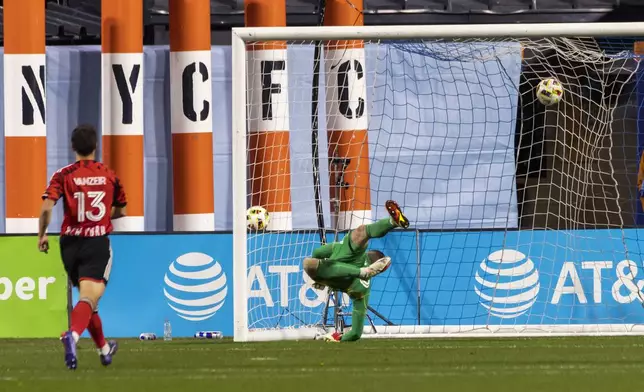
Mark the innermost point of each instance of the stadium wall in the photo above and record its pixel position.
(409, 143)
(563, 279)
(568, 279)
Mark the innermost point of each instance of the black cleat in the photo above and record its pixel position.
(399, 219)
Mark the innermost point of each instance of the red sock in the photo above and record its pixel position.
(80, 317)
(95, 329)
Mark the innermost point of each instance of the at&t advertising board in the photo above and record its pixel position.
(461, 281)
(184, 278)
(534, 278)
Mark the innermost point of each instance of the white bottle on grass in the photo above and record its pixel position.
(167, 331)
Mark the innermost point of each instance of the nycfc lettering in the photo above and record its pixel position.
(268, 87)
(188, 89)
(346, 72)
(126, 87)
(25, 288)
(33, 94)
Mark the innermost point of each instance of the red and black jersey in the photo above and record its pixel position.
(89, 190)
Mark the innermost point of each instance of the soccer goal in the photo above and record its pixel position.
(512, 149)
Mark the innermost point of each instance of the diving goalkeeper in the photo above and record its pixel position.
(347, 266)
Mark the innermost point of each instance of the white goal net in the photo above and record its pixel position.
(523, 215)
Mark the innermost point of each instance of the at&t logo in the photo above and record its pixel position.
(195, 286)
(507, 283)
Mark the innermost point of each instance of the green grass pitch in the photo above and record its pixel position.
(608, 364)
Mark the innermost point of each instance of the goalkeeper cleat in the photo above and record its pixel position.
(377, 267)
(397, 217)
(332, 337)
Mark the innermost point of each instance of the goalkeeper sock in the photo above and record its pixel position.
(357, 325)
(380, 228)
(329, 269)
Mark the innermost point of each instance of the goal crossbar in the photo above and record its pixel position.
(439, 31)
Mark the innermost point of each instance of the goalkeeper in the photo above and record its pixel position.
(347, 266)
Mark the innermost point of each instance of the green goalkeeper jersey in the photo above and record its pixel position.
(357, 289)
(340, 265)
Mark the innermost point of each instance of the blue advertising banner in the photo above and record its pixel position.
(281, 294)
(183, 278)
(461, 279)
(532, 277)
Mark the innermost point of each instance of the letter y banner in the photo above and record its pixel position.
(33, 289)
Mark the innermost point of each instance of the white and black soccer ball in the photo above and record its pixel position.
(549, 91)
(257, 218)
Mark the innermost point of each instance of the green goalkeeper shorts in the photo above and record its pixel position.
(359, 288)
(355, 288)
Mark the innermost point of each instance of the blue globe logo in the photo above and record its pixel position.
(507, 283)
(195, 286)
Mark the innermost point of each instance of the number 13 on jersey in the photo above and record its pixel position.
(97, 209)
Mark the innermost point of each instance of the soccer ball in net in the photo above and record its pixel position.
(257, 218)
(549, 91)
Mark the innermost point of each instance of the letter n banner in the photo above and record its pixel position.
(33, 289)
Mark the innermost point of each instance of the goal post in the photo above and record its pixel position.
(522, 215)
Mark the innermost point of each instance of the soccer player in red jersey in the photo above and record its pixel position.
(92, 196)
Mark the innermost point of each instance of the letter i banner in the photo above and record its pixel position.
(122, 102)
(269, 136)
(33, 289)
(347, 117)
(191, 116)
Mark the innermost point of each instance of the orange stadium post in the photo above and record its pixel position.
(347, 116)
(122, 102)
(191, 101)
(269, 140)
(24, 113)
